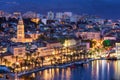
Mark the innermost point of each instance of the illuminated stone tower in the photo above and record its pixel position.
(20, 31)
(21, 34)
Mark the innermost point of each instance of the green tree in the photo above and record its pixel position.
(106, 43)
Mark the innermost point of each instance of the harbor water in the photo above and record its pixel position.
(94, 70)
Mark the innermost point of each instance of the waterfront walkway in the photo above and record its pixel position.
(56, 66)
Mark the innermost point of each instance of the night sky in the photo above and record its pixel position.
(103, 8)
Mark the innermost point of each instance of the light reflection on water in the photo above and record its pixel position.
(96, 70)
(55, 74)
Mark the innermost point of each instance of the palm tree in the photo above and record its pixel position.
(32, 61)
(13, 67)
(28, 55)
(67, 58)
(61, 59)
(8, 63)
(61, 50)
(16, 57)
(5, 61)
(71, 57)
(84, 53)
(38, 61)
(55, 59)
(90, 53)
(25, 64)
(13, 57)
(51, 60)
(64, 56)
(79, 55)
(38, 53)
(42, 60)
(1, 59)
(35, 63)
(21, 65)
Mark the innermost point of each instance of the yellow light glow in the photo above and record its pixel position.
(17, 63)
(53, 52)
(36, 20)
(68, 43)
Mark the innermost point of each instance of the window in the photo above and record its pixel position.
(20, 32)
(20, 50)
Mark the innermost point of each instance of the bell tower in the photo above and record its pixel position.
(20, 30)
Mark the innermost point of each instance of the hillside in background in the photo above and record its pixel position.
(103, 8)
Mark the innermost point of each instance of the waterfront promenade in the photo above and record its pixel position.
(70, 64)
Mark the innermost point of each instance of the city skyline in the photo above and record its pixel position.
(59, 40)
(103, 8)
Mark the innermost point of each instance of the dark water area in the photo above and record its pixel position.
(95, 70)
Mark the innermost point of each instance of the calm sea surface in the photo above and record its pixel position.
(96, 70)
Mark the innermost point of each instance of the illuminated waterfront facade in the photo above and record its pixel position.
(117, 48)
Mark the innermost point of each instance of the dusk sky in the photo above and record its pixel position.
(103, 8)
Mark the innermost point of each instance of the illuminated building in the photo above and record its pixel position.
(15, 51)
(16, 14)
(53, 44)
(97, 20)
(50, 15)
(20, 31)
(89, 35)
(3, 49)
(49, 49)
(30, 14)
(117, 48)
(109, 38)
(74, 18)
(18, 50)
(69, 14)
(59, 15)
(89, 26)
(21, 37)
(44, 20)
(44, 51)
(2, 13)
(70, 42)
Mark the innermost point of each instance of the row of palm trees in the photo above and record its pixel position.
(71, 55)
(77, 54)
(28, 63)
(4, 61)
(34, 60)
